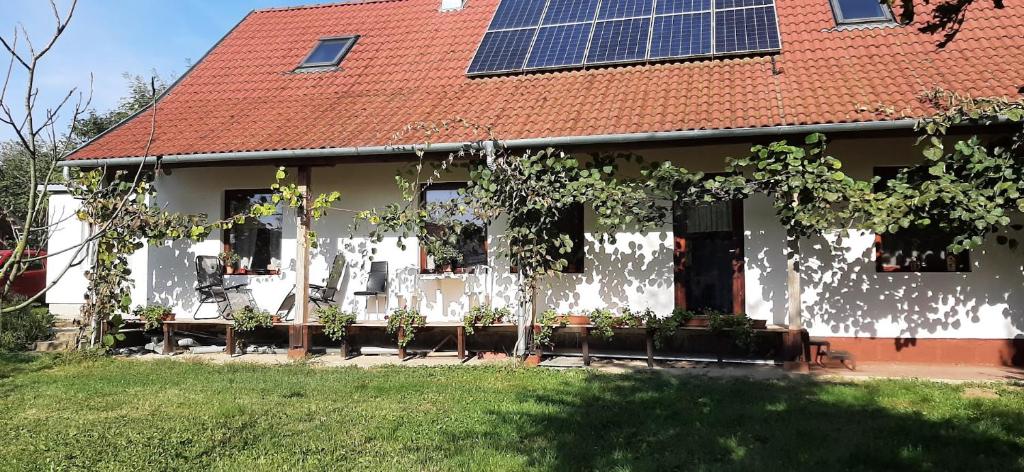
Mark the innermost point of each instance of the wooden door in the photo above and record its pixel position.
(709, 257)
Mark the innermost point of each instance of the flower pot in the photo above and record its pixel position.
(577, 319)
(759, 324)
(167, 317)
(444, 269)
(229, 270)
(533, 360)
(697, 322)
(275, 319)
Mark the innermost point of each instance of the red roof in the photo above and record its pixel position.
(410, 61)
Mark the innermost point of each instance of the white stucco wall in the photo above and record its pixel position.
(843, 296)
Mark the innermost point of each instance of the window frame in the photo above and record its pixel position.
(226, 233)
(448, 185)
(350, 42)
(837, 14)
(576, 267)
(963, 258)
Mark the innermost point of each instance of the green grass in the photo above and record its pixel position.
(105, 414)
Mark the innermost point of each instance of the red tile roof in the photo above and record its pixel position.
(410, 61)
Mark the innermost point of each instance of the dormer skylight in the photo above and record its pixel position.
(328, 52)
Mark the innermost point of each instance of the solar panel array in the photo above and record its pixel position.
(548, 34)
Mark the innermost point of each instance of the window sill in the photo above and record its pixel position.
(254, 274)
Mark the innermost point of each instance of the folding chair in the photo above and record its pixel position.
(211, 289)
(324, 294)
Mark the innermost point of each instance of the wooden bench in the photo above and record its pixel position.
(584, 331)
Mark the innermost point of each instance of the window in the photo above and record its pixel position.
(860, 11)
(257, 241)
(328, 52)
(472, 242)
(571, 223)
(915, 249)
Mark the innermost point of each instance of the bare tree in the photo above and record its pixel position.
(44, 142)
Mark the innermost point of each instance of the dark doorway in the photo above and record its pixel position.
(709, 256)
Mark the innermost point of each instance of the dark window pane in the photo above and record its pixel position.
(328, 52)
(859, 10)
(473, 238)
(257, 241)
(915, 249)
(517, 14)
(570, 223)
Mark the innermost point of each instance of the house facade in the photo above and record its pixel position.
(326, 91)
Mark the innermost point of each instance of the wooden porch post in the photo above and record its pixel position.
(298, 341)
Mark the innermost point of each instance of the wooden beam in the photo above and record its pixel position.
(302, 223)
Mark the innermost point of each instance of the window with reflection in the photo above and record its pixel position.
(257, 241)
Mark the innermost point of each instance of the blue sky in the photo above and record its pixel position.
(110, 37)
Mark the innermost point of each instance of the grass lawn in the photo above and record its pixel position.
(105, 414)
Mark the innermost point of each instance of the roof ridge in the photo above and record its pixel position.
(310, 6)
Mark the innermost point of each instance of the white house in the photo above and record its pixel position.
(324, 89)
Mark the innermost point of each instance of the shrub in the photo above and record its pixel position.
(19, 329)
(408, 319)
(485, 315)
(335, 321)
(153, 315)
(249, 318)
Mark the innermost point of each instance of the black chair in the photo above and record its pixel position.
(377, 284)
(211, 289)
(324, 294)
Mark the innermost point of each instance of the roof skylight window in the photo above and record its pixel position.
(860, 11)
(328, 52)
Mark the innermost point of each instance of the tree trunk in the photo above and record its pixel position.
(793, 280)
(524, 340)
(795, 360)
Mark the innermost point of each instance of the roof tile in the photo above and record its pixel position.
(410, 60)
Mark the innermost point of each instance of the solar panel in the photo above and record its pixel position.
(619, 40)
(502, 51)
(614, 9)
(668, 7)
(570, 11)
(517, 14)
(681, 35)
(539, 34)
(560, 45)
(725, 4)
(746, 29)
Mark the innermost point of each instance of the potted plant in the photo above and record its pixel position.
(249, 318)
(406, 319)
(444, 254)
(545, 327)
(604, 321)
(153, 315)
(230, 259)
(739, 327)
(485, 315)
(335, 321)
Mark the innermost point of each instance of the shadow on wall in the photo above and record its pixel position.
(635, 269)
(845, 295)
(660, 422)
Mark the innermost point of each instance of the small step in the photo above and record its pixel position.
(50, 346)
